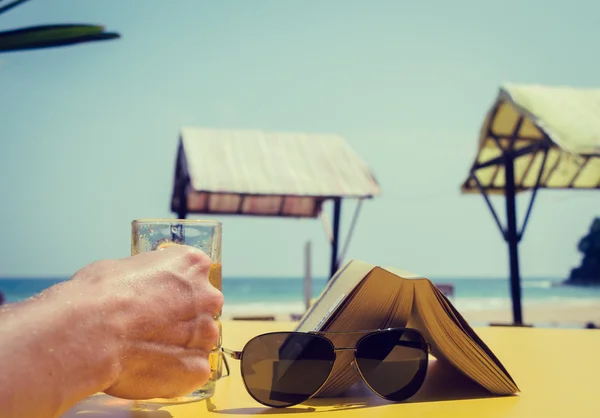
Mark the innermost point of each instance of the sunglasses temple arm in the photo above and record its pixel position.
(225, 363)
(236, 355)
(233, 354)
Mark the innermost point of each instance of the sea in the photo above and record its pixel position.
(286, 295)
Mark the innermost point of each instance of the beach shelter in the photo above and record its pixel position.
(535, 137)
(259, 173)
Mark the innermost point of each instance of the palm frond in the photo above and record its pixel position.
(49, 36)
(9, 6)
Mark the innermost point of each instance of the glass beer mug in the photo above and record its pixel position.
(153, 234)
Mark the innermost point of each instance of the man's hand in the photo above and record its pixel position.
(166, 306)
(138, 327)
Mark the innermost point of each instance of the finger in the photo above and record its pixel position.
(157, 371)
(194, 373)
(174, 371)
(203, 334)
(199, 333)
(205, 299)
(210, 300)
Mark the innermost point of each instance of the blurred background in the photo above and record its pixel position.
(89, 135)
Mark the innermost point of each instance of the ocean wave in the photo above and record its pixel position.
(487, 304)
(543, 284)
(480, 304)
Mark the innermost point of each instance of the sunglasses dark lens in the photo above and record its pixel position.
(393, 362)
(283, 369)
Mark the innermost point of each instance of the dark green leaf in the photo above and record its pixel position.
(48, 36)
(11, 5)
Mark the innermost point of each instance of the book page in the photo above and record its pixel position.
(466, 328)
(450, 341)
(402, 308)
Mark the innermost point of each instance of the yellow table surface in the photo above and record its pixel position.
(557, 370)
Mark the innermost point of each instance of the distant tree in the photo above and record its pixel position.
(49, 36)
(588, 273)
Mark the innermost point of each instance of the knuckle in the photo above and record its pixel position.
(210, 299)
(192, 371)
(201, 372)
(212, 302)
(212, 334)
(209, 332)
(194, 255)
(217, 300)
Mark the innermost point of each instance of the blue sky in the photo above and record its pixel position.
(89, 133)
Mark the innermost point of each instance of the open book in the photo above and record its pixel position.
(361, 296)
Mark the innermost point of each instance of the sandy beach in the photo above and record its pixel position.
(571, 315)
(546, 314)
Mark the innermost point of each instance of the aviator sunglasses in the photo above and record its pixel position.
(281, 369)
